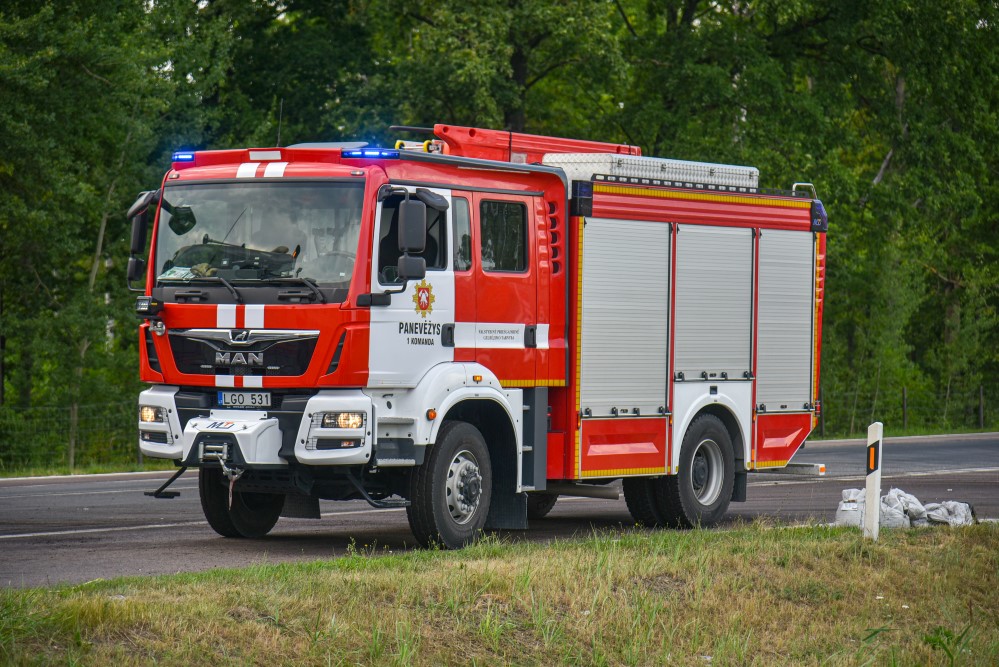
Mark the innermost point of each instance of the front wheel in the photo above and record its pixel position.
(700, 493)
(251, 514)
(451, 491)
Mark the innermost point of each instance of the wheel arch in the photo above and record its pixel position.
(731, 403)
(499, 429)
(728, 419)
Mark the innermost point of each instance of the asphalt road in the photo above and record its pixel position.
(76, 529)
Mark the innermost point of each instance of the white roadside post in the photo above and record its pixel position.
(872, 501)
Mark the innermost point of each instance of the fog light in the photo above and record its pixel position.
(150, 413)
(342, 420)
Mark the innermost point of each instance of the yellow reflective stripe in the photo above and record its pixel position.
(769, 464)
(532, 383)
(617, 472)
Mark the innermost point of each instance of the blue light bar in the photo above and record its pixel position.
(183, 156)
(371, 153)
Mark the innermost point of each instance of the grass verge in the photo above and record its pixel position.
(758, 594)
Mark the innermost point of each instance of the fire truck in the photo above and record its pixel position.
(470, 326)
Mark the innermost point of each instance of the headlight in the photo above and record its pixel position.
(342, 420)
(150, 413)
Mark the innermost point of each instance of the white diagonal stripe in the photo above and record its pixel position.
(254, 316)
(247, 170)
(225, 317)
(274, 169)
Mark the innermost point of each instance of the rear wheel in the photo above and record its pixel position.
(251, 514)
(540, 504)
(640, 495)
(451, 491)
(700, 493)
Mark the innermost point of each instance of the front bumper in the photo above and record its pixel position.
(256, 437)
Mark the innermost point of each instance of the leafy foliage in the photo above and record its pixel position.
(891, 109)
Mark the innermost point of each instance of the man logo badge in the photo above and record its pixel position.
(239, 359)
(240, 336)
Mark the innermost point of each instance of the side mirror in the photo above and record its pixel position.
(138, 213)
(412, 268)
(412, 226)
(182, 220)
(136, 269)
(138, 233)
(142, 202)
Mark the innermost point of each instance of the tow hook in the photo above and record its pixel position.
(232, 474)
(221, 453)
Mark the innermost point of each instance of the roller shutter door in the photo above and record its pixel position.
(714, 301)
(625, 311)
(787, 290)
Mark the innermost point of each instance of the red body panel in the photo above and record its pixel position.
(778, 437)
(614, 447)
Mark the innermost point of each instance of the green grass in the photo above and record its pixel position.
(759, 594)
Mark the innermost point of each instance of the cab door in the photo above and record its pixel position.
(505, 271)
(411, 334)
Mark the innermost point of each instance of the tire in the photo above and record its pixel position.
(252, 514)
(540, 504)
(700, 493)
(640, 496)
(450, 493)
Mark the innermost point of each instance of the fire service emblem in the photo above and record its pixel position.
(424, 298)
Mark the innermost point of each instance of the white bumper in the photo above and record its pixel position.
(258, 434)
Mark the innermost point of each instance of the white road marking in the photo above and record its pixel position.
(852, 478)
(185, 524)
(93, 493)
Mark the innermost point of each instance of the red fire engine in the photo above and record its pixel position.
(471, 326)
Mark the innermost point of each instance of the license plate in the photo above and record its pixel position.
(245, 399)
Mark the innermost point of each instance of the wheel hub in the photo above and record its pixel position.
(707, 471)
(464, 487)
(700, 472)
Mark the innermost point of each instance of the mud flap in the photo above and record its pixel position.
(739, 488)
(507, 511)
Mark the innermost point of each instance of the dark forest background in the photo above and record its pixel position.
(890, 108)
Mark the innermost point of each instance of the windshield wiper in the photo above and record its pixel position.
(228, 285)
(308, 282)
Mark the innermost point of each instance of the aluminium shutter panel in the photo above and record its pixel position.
(787, 291)
(625, 312)
(714, 301)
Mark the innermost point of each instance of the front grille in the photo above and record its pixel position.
(203, 356)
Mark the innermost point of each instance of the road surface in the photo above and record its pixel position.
(76, 529)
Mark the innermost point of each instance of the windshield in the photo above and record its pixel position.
(259, 232)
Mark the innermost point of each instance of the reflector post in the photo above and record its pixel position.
(872, 499)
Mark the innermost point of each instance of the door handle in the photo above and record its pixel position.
(447, 335)
(531, 335)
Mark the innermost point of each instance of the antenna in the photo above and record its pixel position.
(280, 118)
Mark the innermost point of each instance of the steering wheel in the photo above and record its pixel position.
(329, 264)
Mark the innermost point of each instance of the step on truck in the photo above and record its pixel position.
(470, 325)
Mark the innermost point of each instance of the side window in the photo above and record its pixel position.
(434, 252)
(504, 236)
(462, 234)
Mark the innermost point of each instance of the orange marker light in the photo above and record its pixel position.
(431, 414)
(477, 378)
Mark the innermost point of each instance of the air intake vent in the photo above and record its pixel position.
(154, 360)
